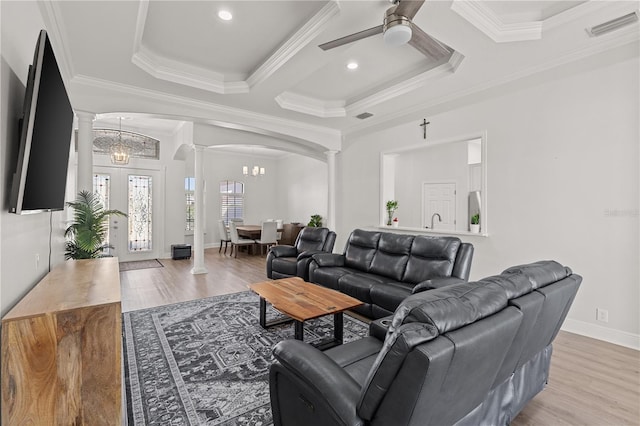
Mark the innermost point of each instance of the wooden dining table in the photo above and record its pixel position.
(252, 232)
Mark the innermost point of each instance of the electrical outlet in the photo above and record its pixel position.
(602, 315)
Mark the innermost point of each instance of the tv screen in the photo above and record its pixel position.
(40, 176)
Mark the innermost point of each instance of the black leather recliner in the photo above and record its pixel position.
(284, 261)
(466, 354)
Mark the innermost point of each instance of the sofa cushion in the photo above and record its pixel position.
(285, 265)
(541, 273)
(312, 239)
(359, 285)
(361, 248)
(390, 294)
(357, 357)
(431, 257)
(329, 276)
(451, 307)
(390, 260)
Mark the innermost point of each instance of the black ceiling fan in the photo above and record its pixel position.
(397, 29)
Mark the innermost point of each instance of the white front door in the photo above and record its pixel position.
(136, 193)
(439, 199)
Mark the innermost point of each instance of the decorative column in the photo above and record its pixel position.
(84, 178)
(331, 200)
(198, 225)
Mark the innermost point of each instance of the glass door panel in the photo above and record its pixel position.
(132, 191)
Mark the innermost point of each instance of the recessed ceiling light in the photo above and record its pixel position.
(225, 15)
(352, 65)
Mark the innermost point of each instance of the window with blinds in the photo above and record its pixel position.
(231, 200)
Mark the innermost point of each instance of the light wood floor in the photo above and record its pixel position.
(591, 382)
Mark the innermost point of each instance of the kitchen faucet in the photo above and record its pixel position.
(434, 215)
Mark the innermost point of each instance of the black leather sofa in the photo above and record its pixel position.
(284, 261)
(465, 354)
(382, 268)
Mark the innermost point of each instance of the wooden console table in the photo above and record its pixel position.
(61, 348)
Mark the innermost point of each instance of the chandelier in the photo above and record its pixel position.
(119, 151)
(255, 171)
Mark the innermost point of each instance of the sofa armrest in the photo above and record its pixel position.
(436, 283)
(328, 259)
(284, 251)
(325, 387)
(308, 253)
(378, 328)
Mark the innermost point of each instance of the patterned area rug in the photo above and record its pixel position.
(206, 362)
(140, 264)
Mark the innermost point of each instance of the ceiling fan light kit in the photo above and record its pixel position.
(396, 30)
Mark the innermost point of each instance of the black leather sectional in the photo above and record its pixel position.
(472, 353)
(383, 268)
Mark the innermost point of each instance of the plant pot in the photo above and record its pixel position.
(474, 228)
(395, 224)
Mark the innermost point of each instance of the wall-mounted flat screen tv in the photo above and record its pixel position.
(40, 177)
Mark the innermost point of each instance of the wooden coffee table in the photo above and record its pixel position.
(301, 301)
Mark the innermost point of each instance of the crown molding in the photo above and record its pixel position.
(623, 37)
(408, 85)
(331, 138)
(310, 105)
(177, 72)
(325, 109)
(54, 23)
(309, 31)
(181, 73)
(483, 18)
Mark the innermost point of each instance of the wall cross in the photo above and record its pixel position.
(424, 127)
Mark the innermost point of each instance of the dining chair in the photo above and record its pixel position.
(224, 235)
(268, 234)
(236, 240)
(279, 233)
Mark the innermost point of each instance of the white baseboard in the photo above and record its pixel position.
(599, 332)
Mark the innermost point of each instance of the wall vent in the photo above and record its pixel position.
(364, 115)
(613, 24)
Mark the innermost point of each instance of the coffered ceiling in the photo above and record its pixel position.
(264, 68)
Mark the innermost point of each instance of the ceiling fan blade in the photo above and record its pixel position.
(408, 8)
(429, 46)
(351, 38)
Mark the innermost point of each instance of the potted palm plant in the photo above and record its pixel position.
(87, 232)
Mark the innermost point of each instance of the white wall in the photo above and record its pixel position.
(302, 189)
(563, 184)
(293, 188)
(23, 238)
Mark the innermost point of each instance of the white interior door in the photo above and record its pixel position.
(439, 198)
(136, 193)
